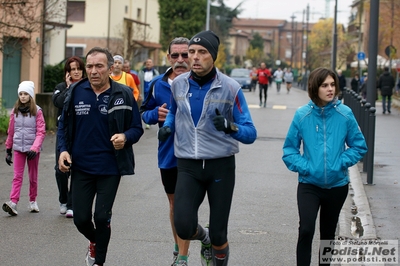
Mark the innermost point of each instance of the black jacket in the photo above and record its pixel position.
(122, 118)
(386, 83)
(355, 85)
(58, 97)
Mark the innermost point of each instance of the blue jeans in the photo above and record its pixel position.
(389, 98)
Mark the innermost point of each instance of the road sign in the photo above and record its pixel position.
(398, 67)
(360, 55)
(390, 51)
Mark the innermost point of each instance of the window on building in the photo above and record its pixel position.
(289, 35)
(288, 53)
(139, 14)
(77, 50)
(126, 9)
(76, 11)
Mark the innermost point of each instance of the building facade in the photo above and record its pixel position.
(125, 27)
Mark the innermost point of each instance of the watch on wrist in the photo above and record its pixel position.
(234, 127)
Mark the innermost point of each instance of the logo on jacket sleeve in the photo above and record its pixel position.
(119, 101)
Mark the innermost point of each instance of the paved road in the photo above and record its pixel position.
(263, 222)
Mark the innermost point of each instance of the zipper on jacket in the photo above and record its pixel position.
(324, 124)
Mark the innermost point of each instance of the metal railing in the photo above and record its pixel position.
(365, 116)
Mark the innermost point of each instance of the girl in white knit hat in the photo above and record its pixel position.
(26, 132)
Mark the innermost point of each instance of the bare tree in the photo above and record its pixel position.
(22, 19)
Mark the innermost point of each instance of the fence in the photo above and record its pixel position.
(365, 116)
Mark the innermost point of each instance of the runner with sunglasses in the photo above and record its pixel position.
(154, 110)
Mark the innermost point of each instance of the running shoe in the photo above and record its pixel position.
(10, 207)
(181, 263)
(91, 254)
(206, 251)
(175, 258)
(63, 208)
(33, 207)
(69, 214)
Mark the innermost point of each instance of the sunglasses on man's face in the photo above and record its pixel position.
(176, 55)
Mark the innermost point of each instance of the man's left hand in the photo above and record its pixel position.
(118, 141)
(220, 122)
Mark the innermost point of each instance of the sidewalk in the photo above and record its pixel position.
(377, 206)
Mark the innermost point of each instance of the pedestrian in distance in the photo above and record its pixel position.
(355, 83)
(74, 71)
(288, 77)
(363, 88)
(254, 79)
(323, 175)
(146, 75)
(127, 68)
(278, 77)
(26, 133)
(122, 77)
(342, 83)
(209, 107)
(99, 124)
(263, 80)
(154, 111)
(386, 84)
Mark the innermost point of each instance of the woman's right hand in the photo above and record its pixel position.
(68, 79)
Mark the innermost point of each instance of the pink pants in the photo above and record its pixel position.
(19, 166)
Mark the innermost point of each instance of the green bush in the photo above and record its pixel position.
(4, 118)
(53, 74)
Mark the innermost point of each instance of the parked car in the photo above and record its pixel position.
(242, 75)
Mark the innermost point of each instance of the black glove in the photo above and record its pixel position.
(220, 123)
(31, 155)
(164, 133)
(9, 157)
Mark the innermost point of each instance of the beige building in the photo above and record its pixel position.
(127, 27)
(28, 41)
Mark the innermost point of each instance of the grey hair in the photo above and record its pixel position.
(95, 50)
(178, 40)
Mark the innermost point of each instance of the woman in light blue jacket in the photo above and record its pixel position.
(331, 142)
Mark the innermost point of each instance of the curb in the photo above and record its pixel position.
(355, 221)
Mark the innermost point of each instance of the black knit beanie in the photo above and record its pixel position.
(208, 40)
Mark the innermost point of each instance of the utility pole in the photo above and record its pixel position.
(302, 39)
(360, 12)
(208, 15)
(372, 51)
(306, 67)
(334, 45)
(292, 42)
(307, 19)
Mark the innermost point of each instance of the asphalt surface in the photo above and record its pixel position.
(263, 221)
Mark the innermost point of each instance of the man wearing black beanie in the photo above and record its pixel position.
(209, 117)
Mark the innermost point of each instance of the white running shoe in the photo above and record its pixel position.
(33, 207)
(63, 208)
(10, 207)
(69, 214)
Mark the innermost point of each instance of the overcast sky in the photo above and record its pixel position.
(284, 9)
